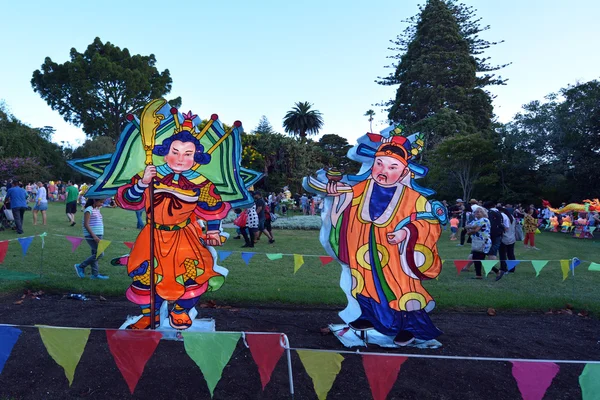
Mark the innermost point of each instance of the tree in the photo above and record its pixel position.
(335, 148)
(96, 89)
(302, 121)
(370, 114)
(94, 147)
(436, 70)
(263, 127)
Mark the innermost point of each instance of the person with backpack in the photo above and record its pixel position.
(496, 232)
(507, 248)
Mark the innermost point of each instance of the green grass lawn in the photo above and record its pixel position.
(268, 282)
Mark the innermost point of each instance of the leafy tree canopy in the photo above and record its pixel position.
(96, 89)
(301, 120)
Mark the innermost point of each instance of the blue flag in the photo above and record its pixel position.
(575, 262)
(511, 264)
(247, 257)
(224, 254)
(8, 338)
(25, 242)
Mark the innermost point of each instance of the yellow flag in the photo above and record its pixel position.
(102, 246)
(537, 231)
(323, 368)
(65, 346)
(565, 266)
(298, 262)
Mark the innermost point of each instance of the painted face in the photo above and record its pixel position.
(388, 171)
(181, 156)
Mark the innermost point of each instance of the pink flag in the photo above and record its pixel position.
(3, 250)
(382, 372)
(75, 241)
(534, 378)
(128, 244)
(266, 351)
(460, 264)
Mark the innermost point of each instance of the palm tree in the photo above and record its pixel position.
(301, 120)
(370, 114)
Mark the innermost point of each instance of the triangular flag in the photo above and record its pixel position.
(298, 262)
(8, 338)
(322, 367)
(537, 231)
(247, 256)
(266, 350)
(488, 265)
(211, 352)
(43, 235)
(565, 268)
(3, 250)
(65, 346)
(274, 256)
(534, 378)
(325, 260)
(460, 264)
(575, 262)
(511, 264)
(25, 243)
(223, 254)
(593, 266)
(538, 265)
(131, 351)
(102, 245)
(382, 372)
(129, 244)
(589, 380)
(75, 241)
(592, 229)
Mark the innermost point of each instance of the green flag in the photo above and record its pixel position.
(274, 256)
(589, 380)
(538, 265)
(594, 267)
(211, 352)
(488, 265)
(65, 346)
(323, 368)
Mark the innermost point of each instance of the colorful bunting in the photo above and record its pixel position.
(589, 381)
(25, 243)
(274, 256)
(3, 250)
(460, 264)
(211, 352)
(565, 268)
(266, 350)
(298, 262)
(43, 236)
(537, 231)
(75, 242)
(511, 264)
(8, 338)
(128, 244)
(224, 254)
(382, 372)
(533, 378)
(246, 256)
(538, 265)
(488, 265)
(323, 368)
(593, 266)
(592, 229)
(325, 260)
(131, 351)
(65, 346)
(575, 262)
(102, 245)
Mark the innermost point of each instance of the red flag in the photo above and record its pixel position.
(534, 378)
(131, 351)
(460, 264)
(3, 250)
(128, 244)
(382, 372)
(266, 351)
(325, 260)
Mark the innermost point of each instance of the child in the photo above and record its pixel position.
(530, 225)
(453, 227)
(93, 230)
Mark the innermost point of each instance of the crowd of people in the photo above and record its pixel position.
(492, 229)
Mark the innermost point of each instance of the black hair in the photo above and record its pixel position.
(396, 150)
(237, 210)
(89, 202)
(184, 136)
(489, 204)
(505, 212)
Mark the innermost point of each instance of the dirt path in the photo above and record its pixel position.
(30, 373)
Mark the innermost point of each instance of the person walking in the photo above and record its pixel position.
(530, 226)
(507, 247)
(93, 231)
(481, 241)
(260, 211)
(71, 207)
(41, 203)
(16, 196)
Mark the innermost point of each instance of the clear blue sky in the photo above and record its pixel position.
(245, 59)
